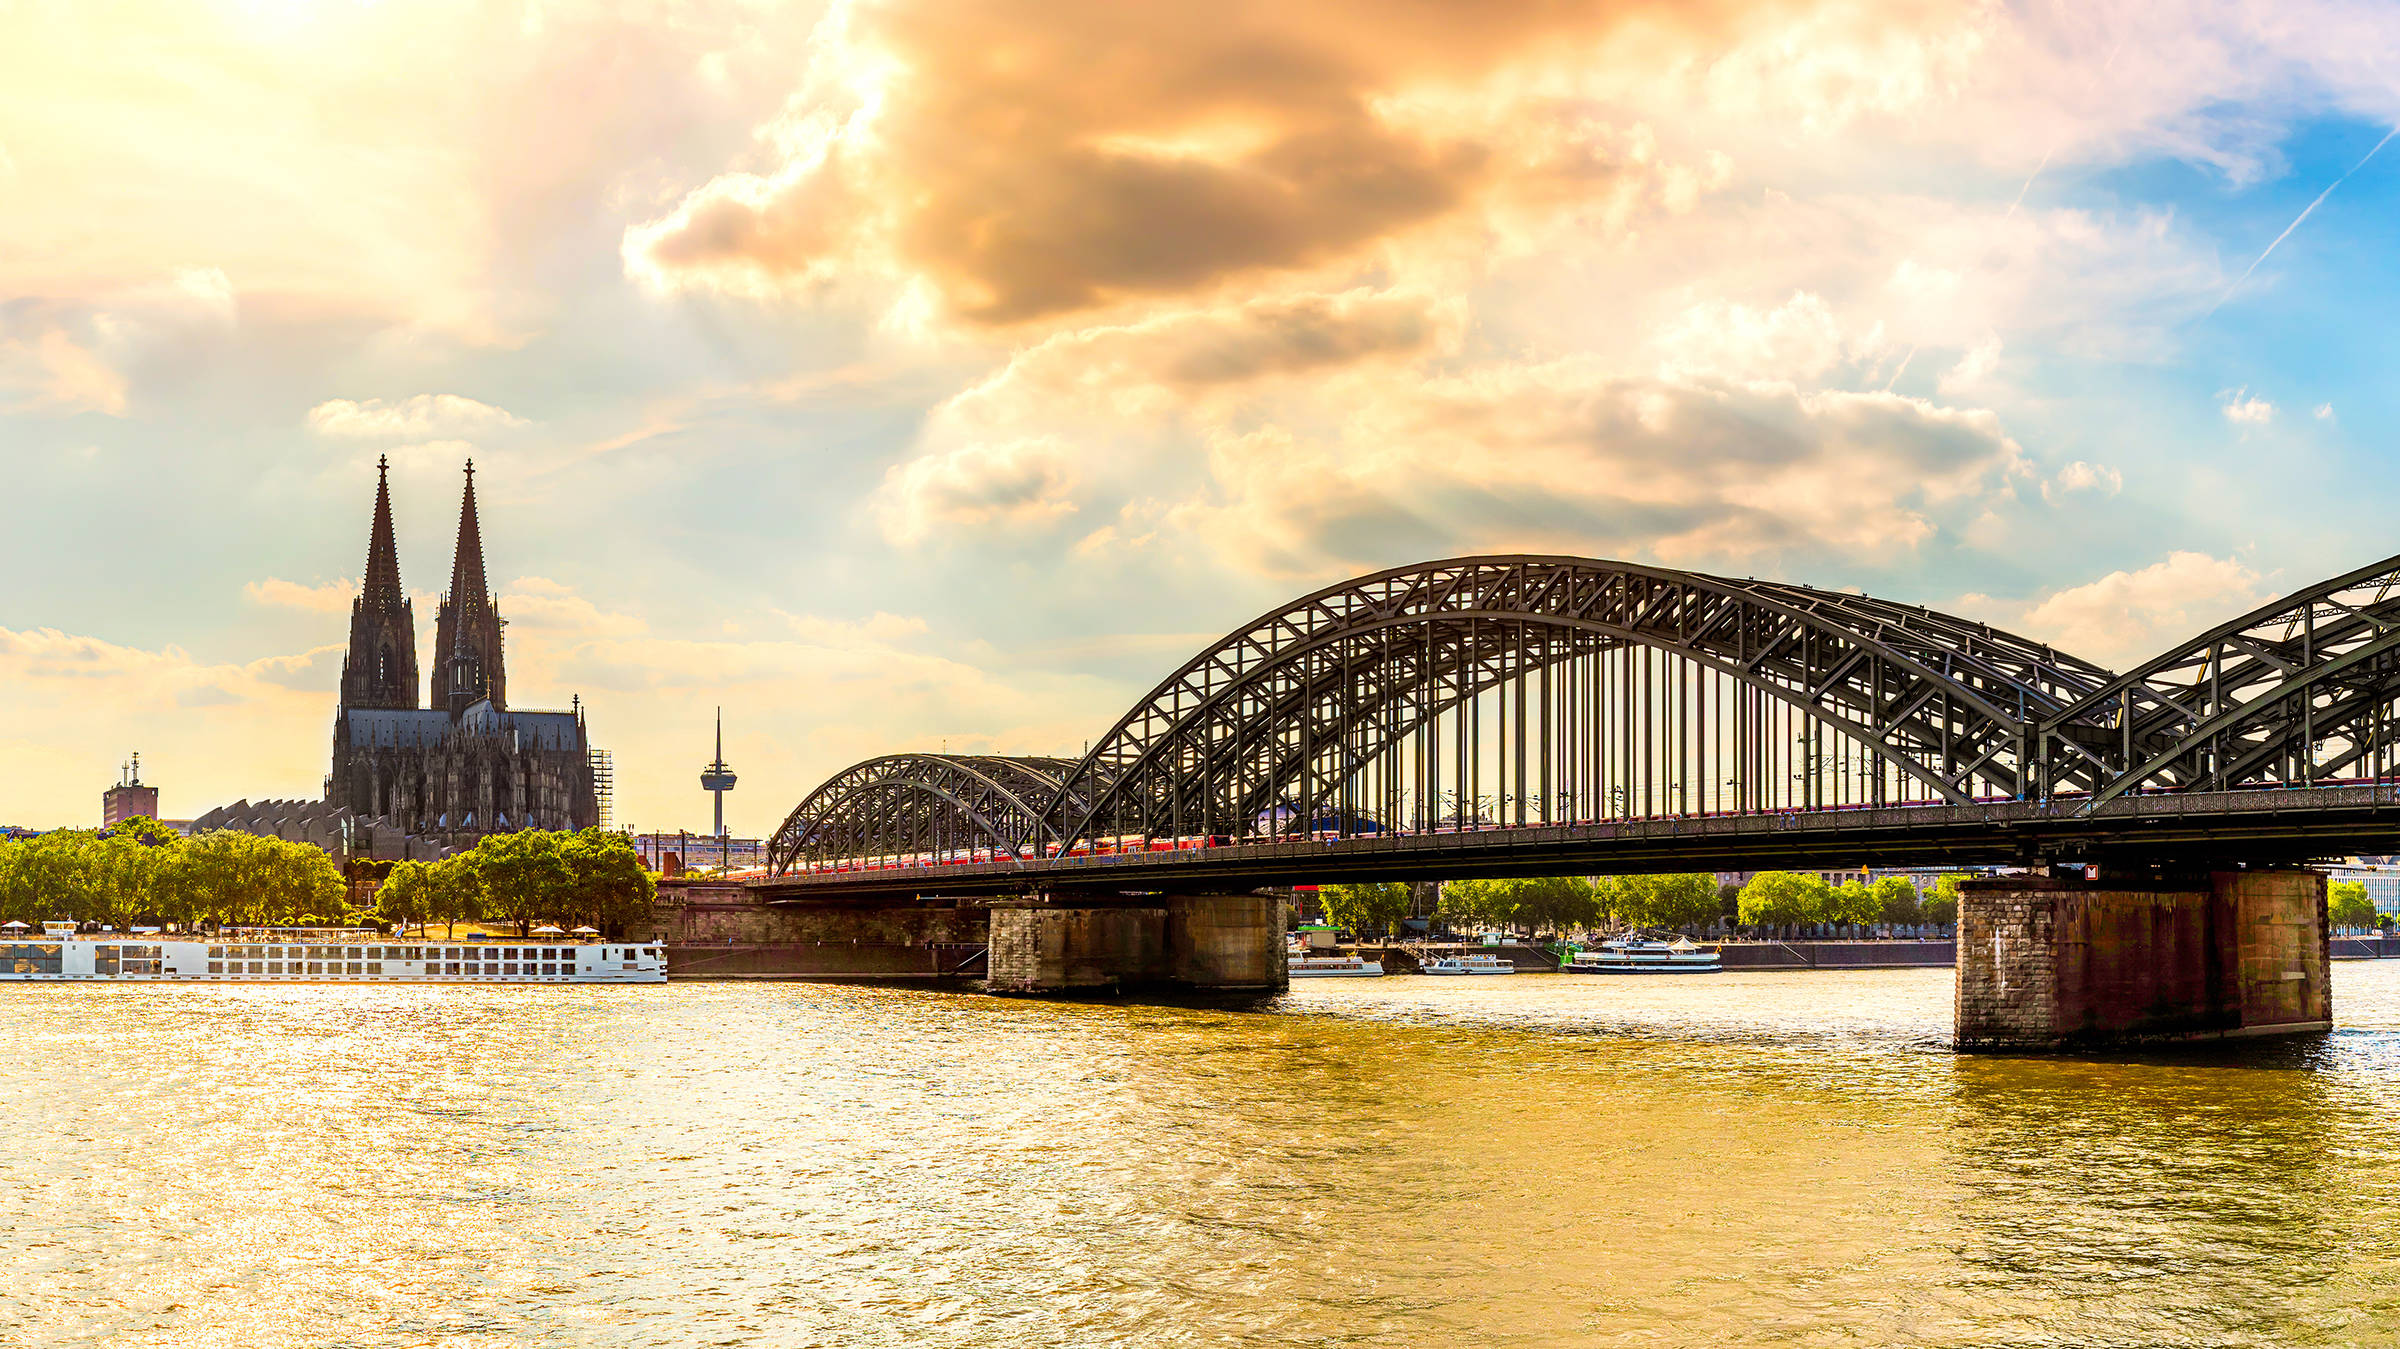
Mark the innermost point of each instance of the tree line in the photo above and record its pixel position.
(143, 873)
(587, 878)
(1691, 899)
(1779, 897)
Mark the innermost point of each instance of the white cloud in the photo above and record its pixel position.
(1973, 368)
(2126, 617)
(66, 357)
(2079, 476)
(52, 372)
(537, 602)
(1798, 339)
(1020, 485)
(2244, 410)
(425, 415)
(331, 597)
(2324, 412)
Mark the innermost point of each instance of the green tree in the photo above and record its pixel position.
(1477, 903)
(298, 884)
(1853, 902)
(1373, 904)
(1672, 900)
(1896, 900)
(46, 877)
(608, 887)
(453, 895)
(1785, 897)
(1544, 903)
(123, 875)
(405, 897)
(2347, 905)
(1941, 902)
(525, 876)
(1556, 903)
(221, 877)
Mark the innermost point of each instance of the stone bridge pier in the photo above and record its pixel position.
(2046, 963)
(1069, 944)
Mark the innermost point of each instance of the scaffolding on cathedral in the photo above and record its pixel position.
(604, 786)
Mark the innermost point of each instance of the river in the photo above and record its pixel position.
(1747, 1158)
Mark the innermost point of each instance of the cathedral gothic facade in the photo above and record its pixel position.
(461, 763)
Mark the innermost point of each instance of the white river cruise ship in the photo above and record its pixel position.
(270, 956)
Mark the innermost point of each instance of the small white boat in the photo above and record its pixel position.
(1334, 967)
(1640, 955)
(1475, 964)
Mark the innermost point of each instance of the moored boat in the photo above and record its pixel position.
(1645, 955)
(273, 956)
(1334, 967)
(1471, 964)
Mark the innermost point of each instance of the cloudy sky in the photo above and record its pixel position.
(912, 373)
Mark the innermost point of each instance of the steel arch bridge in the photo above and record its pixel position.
(1534, 692)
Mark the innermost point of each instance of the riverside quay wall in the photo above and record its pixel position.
(718, 931)
(2050, 963)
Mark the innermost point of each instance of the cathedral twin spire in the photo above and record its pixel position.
(381, 668)
(467, 627)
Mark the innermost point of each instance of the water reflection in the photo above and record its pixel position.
(1750, 1158)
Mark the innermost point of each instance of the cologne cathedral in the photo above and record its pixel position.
(423, 778)
(460, 764)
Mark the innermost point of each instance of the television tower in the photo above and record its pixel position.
(718, 779)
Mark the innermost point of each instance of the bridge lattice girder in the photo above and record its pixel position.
(2296, 691)
(1281, 710)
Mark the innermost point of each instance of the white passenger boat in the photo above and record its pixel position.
(1334, 967)
(1476, 964)
(1643, 955)
(272, 956)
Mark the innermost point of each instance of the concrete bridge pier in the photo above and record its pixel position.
(2046, 963)
(1203, 942)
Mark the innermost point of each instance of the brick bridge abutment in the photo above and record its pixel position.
(1200, 942)
(2047, 963)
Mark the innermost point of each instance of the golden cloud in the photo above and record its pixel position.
(1029, 158)
(1565, 456)
(332, 597)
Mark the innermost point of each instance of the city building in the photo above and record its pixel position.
(129, 799)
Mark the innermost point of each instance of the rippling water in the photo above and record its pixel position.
(1748, 1158)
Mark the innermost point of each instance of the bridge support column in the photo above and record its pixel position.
(2045, 963)
(1045, 948)
(1227, 942)
(1208, 942)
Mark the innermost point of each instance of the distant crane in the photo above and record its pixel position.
(718, 779)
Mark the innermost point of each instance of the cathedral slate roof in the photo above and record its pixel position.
(416, 728)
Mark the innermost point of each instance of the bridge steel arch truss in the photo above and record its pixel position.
(1505, 690)
(949, 805)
